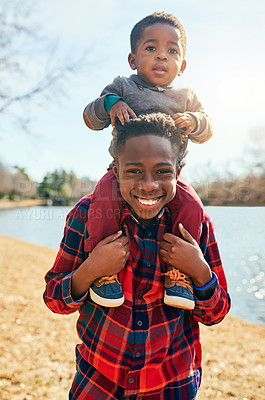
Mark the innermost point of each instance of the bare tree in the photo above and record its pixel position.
(26, 71)
(6, 180)
(255, 149)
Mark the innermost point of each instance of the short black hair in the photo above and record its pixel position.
(157, 17)
(158, 124)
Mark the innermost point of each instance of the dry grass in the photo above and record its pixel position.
(37, 347)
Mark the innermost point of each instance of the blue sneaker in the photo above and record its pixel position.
(107, 291)
(178, 290)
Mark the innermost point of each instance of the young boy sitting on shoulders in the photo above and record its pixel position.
(158, 46)
(143, 349)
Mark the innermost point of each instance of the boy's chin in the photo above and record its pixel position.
(146, 215)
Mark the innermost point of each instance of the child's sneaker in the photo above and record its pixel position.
(107, 291)
(178, 290)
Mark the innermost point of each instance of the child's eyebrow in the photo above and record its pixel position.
(156, 40)
(150, 40)
(174, 43)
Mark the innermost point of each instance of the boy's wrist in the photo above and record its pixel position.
(206, 292)
(203, 275)
(111, 99)
(83, 277)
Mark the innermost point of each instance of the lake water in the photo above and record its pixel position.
(240, 234)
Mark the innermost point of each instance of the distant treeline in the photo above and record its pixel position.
(248, 191)
(61, 187)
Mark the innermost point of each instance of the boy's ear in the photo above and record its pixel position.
(183, 67)
(115, 169)
(178, 171)
(132, 61)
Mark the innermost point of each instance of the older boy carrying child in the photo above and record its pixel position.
(144, 349)
(158, 46)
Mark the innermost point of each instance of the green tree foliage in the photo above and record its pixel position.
(63, 187)
(58, 184)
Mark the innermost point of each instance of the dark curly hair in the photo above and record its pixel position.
(157, 17)
(156, 123)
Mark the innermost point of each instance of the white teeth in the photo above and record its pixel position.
(147, 202)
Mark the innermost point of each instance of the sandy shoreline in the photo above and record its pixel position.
(7, 204)
(37, 346)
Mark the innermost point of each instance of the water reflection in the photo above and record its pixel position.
(247, 288)
(240, 234)
(241, 238)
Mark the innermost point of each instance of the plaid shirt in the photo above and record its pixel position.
(144, 344)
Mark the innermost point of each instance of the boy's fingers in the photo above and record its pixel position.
(187, 132)
(181, 124)
(186, 235)
(126, 115)
(132, 113)
(163, 254)
(164, 246)
(120, 116)
(168, 237)
(111, 238)
(112, 120)
(177, 120)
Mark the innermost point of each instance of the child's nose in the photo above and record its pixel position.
(161, 55)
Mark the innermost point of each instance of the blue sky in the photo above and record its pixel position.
(225, 65)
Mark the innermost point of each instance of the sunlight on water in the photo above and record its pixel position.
(240, 235)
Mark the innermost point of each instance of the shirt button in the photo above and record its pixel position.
(137, 354)
(139, 323)
(148, 263)
(131, 380)
(149, 233)
(141, 293)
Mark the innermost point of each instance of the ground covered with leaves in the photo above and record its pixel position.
(37, 347)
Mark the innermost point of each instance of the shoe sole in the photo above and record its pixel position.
(179, 302)
(105, 302)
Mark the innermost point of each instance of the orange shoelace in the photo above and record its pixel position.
(175, 275)
(109, 278)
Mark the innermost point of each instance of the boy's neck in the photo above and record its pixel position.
(142, 82)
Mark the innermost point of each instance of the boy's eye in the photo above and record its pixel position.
(164, 171)
(150, 48)
(173, 51)
(133, 171)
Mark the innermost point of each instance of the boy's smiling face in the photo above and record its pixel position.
(147, 172)
(159, 57)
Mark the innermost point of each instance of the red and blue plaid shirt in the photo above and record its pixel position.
(144, 344)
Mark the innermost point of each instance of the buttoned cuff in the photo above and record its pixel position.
(206, 292)
(67, 295)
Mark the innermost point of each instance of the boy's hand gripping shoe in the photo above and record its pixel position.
(178, 289)
(107, 291)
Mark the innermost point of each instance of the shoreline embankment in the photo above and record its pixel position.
(7, 204)
(37, 346)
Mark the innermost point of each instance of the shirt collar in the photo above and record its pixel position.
(140, 82)
(163, 215)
